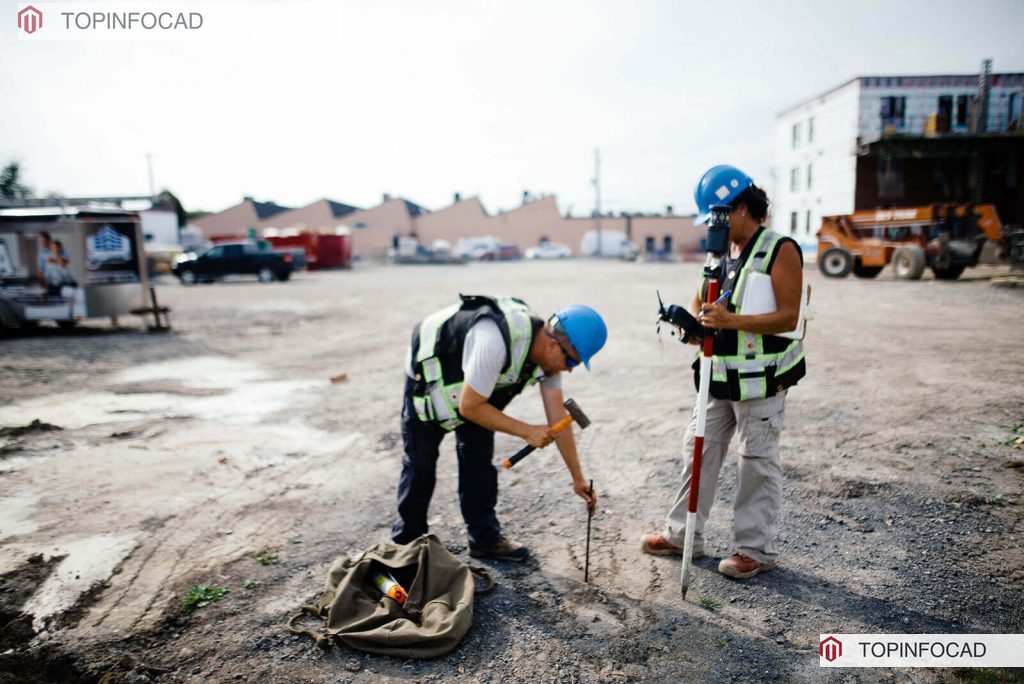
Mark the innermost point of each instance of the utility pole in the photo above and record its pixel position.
(149, 165)
(597, 200)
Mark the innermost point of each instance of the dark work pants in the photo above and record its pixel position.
(478, 478)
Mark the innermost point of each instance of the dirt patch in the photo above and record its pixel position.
(17, 587)
(205, 447)
(32, 428)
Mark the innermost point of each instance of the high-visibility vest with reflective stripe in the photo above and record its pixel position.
(437, 356)
(747, 365)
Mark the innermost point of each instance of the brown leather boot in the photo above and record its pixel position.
(739, 566)
(657, 545)
(504, 549)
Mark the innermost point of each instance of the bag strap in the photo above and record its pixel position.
(484, 574)
(321, 638)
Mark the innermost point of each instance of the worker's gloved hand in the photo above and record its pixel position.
(539, 436)
(582, 488)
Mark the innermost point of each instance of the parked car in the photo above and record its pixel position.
(233, 258)
(549, 250)
(477, 248)
(507, 252)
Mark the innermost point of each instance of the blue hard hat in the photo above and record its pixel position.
(719, 185)
(585, 329)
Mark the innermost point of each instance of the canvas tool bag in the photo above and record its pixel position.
(436, 614)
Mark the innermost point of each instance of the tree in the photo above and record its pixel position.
(10, 187)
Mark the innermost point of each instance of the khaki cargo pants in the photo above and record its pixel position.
(758, 483)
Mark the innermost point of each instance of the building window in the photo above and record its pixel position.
(810, 177)
(792, 223)
(962, 109)
(893, 111)
(808, 221)
(794, 179)
(797, 133)
(810, 130)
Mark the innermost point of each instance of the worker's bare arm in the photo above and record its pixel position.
(473, 406)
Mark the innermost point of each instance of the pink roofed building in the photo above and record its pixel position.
(237, 220)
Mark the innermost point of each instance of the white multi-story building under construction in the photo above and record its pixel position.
(890, 141)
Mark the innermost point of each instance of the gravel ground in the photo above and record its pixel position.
(163, 461)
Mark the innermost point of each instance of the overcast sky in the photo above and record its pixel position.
(425, 98)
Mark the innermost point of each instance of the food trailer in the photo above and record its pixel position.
(66, 264)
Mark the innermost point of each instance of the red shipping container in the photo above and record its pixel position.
(322, 251)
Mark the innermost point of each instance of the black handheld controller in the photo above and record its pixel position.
(679, 317)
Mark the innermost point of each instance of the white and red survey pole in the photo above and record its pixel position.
(717, 247)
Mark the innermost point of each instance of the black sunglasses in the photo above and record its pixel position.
(570, 362)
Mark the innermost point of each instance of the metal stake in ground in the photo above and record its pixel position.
(717, 244)
(590, 516)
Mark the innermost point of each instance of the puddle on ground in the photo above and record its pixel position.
(248, 398)
(201, 371)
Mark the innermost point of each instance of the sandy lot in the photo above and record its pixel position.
(177, 459)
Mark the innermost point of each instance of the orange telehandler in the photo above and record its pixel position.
(946, 237)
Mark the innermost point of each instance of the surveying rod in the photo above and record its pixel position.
(717, 246)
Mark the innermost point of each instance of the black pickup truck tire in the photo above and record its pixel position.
(266, 274)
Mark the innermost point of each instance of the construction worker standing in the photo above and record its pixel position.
(752, 369)
(466, 363)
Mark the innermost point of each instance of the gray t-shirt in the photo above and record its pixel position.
(483, 357)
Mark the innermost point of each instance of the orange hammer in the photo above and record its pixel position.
(575, 413)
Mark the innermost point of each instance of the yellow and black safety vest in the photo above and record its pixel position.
(437, 345)
(746, 365)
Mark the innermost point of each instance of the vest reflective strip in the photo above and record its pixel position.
(753, 381)
(517, 317)
(429, 328)
(753, 388)
(444, 400)
(423, 409)
(432, 369)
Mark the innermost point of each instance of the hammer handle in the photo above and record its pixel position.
(529, 449)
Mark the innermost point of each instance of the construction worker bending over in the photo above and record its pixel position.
(466, 363)
(752, 368)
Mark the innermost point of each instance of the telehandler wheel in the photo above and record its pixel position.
(908, 263)
(866, 271)
(951, 272)
(835, 262)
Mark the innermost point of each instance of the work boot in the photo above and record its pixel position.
(739, 566)
(504, 549)
(657, 545)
